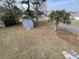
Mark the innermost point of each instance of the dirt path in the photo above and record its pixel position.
(69, 37)
(38, 43)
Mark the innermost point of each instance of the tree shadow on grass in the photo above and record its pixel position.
(68, 37)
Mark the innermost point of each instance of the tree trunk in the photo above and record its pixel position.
(57, 22)
(28, 7)
(37, 13)
(14, 13)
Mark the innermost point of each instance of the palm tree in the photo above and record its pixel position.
(52, 17)
(60, 16)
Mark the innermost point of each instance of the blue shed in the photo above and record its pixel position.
(28, 23)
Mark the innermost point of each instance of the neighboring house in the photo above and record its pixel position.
(74, 16)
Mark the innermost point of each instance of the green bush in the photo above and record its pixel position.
(67, 22)
(9, 19)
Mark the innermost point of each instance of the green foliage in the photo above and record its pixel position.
(36, 5)
(60, 16)
(10, 12)
(17, 11)
(8, 18)
(31, 14)
(40, 13)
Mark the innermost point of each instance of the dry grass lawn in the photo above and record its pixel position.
(75, 22)
(38, 43)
